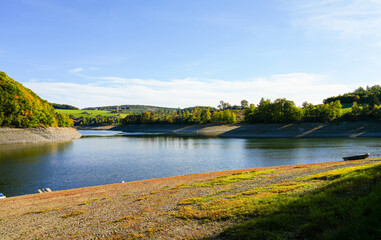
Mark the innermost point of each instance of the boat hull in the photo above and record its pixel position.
(357, 157)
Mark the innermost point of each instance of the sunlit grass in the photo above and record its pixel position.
(43, 210)
(91, 201)
(89, 113)
(347, 207)
(73, 213)
(233, 178)
(256, 201)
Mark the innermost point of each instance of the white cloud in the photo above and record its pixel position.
(76, 70)
(298, 87)
(349, 18)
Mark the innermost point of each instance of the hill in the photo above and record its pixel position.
(63, 106)
(131, 109)
(21, 107)
(139, 109)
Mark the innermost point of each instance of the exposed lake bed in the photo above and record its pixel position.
(37, 135)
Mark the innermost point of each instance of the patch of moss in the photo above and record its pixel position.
(73, 213)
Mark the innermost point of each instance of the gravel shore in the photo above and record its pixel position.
(37, 135)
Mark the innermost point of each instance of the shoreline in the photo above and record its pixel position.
(150, 208)
(37, 135)
(192, 176)
(294, 130)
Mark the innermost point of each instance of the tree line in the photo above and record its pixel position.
(360, 96)
(97, 120)
(285, 111)
(63, 106)
(266, 111)
(197, 115)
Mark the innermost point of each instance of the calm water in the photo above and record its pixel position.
(105, 157)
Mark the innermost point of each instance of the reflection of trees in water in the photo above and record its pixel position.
(170, 141)
(30, 150)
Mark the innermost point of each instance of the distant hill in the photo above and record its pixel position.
(139, 109)
(360, 95)
(212, 109)
(63, 106)
(21, 107)
(131, 109)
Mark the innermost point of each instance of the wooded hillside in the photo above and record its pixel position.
(21, 107)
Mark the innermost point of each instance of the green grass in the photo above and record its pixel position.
(233, 178)
(337, 204)
(89, 113)
(348, 207)
(348, 107)
(43, 211)
(73, 213)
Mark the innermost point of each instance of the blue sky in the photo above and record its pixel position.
(181, 53)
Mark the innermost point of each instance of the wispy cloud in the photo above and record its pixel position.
(298, 87)
(349, 18)
(76, 70)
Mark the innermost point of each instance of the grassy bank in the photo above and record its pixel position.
(348, 207)
(89, 113)
(315, 201)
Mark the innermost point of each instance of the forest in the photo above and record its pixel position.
(360, 96)
(63, 106)
(20, 107)
(198, 115)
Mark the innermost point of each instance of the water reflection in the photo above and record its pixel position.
(25, 151)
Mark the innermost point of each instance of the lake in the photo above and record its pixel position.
(104, 157)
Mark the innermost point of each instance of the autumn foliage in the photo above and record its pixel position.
(21, 107)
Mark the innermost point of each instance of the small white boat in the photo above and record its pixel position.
(2, 196)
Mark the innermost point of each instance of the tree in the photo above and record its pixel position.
(244, 104)
(146, 117)
(205, 116)
(249, 114)
(355, 112)
(224, 105)
(374, 101)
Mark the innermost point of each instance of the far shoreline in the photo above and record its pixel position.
(255, 131)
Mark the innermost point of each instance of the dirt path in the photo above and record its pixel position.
(185, 207)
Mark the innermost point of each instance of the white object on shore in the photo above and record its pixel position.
(2, 196)
(44, 190)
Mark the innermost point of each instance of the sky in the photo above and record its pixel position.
(181, 53)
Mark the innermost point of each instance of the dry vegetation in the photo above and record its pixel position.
(186, 207)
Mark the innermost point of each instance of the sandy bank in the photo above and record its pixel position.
(295, 130)
(149, 209)
(37, 135)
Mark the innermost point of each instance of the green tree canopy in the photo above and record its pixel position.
(20, 107)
